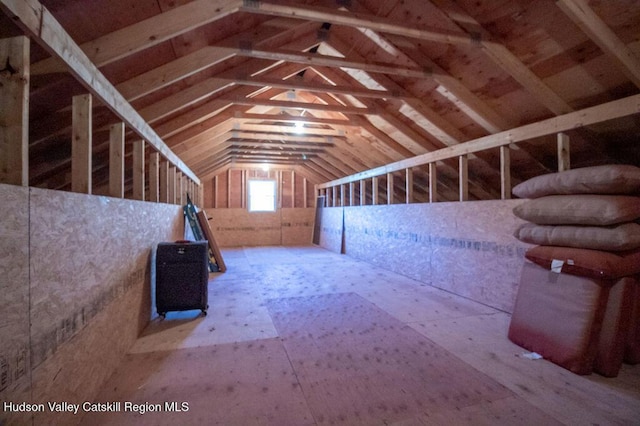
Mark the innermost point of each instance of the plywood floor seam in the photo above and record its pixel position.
(304, 336)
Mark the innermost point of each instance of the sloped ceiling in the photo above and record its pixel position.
(331, 88)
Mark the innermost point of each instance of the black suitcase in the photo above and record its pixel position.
(182, 275)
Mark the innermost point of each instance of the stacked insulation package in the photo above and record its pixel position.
(578, 304)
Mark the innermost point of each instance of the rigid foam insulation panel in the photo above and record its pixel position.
(466, 248)
(239, 227)
(89, 283)
(559, 316)
(15, 368)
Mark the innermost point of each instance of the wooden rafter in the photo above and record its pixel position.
(580, 13)
(36, 20)
(147, 33)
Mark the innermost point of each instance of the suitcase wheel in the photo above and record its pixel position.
(204, 312)
(163, 314)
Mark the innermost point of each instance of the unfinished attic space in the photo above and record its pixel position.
(319, 212)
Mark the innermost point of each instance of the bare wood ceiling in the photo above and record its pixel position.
(225, 83)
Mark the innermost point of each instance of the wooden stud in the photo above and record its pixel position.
(305, 203)
(505, 172)
(138, 170)
(390, 189)
(592, 115)
(363, 192)
(216, 194)
(154, 177)
(81, 144)
(116, 160)
(343, 195)
(374, 190)
(293, 189)
(179, 192)
(243, 189)
(408, 186)
(280, 186)
(14, 111)
(433, 183)
(463, 177)
(352, 194)
(172, 185)
(163, 188)
(564, 158)
(229, 188)
(41, 25)
(334, 196)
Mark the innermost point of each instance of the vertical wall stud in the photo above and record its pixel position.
(172, 185)
(179, 188)
(408, 186)
(154, 177)
(564, 157)
(163, 186)
(352, 193)
(374, 190)
(433, 183)
(463, 177)
(14, 111)
(116, 160)
(505, 172)
(390, 189)
(216, 193)
(363, 192)
(81, 144)
(304, 193)
(293, 189)
(138, 170)
(229, 188)
(243, 189)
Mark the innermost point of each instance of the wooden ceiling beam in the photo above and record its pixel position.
(313, 59)
(286, 118)
(209, 56)
(302, 139)
(243, 143)
(300, 84)
(502, 57)
(289, 130)
(147, 33)
(340, 17)
(37, 21)
(299, 105)
(598, 31)
(443, 131)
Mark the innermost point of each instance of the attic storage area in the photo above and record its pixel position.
(403, 125)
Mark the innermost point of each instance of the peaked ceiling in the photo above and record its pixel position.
(331, 88)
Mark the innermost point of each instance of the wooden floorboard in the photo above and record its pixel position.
(303, 336)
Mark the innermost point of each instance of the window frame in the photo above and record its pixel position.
(275, 195)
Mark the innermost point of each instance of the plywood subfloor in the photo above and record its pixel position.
(303, 336)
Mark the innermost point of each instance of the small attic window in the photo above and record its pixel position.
(262, 195)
